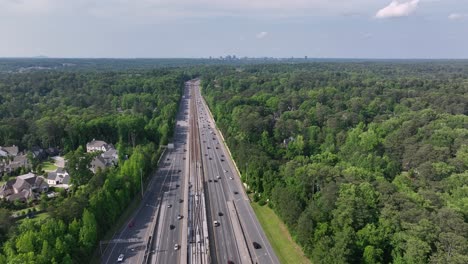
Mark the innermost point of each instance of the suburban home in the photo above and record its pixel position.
(98, 145)
(98, 163)
(9, 151)
(24, 187)
(19, 162)
(108, 157)
(111, 157)
(58, 178)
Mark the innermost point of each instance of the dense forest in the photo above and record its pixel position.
(65, 110)
(364, 162)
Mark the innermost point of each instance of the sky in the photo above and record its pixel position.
(426, 29)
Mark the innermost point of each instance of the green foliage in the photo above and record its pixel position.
(134, 111)
(360, 160)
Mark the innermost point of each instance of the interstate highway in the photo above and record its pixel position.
(165, 188)
(224, 241)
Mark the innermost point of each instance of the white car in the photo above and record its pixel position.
(231, 178)
(179, 217)
(176, 247)
(120, 258)
(216, 223)
(219, 177)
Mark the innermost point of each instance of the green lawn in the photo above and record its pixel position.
(278, 235)
(48, 166)
(37, 217)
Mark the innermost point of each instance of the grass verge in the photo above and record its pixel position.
(284, 246)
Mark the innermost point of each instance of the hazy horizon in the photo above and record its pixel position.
(339, 29)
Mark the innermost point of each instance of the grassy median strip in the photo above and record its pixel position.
(277, 233)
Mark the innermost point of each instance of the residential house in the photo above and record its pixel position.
(111, 157)
(107, 158)
(24, 187)
(98, 163)
(19, 162)
(59, 178)
(98, 145)
(9, 151)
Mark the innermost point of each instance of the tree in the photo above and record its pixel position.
(88, 231)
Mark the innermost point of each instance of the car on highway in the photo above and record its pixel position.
(219, 177)
(216, 223)
(210, 180)
(236, 192)
(181, 200)
(171, 227)
(169, 205)
(225, 171)
(179, 217)
(120, 258)
(222, 159)
(231, 178)
(220, 214)
(215, 180)
(256, 245)
(230, 262)
(176, 247)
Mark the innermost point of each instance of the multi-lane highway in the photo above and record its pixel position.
(152, 232)
(195, 209)
(234, 237)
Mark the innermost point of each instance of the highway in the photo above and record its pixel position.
(195, 209)
(224, 187)
(159, 209)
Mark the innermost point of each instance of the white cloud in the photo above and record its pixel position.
(398, 9)
(261, 35)
(457, 16)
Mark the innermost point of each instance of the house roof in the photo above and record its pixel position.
(98, 162)
(21, 185)
(52, 176)
(23, 195)
(66, 179)
(96, 144)
(12, 151)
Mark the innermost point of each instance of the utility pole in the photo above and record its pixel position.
(141, 181)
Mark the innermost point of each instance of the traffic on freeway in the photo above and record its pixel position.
(195, 209)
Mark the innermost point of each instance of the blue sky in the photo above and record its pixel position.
(253, 28)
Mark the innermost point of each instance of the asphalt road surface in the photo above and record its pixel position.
(162, 198)
(224, 185)
(157, 231)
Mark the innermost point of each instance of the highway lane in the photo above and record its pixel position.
(225, 191)
(224, 246)
(132, 238)
(170, 224)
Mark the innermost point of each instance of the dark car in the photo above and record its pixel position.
(230, 262)
(222, 160)
(215, 180)
(210, 180)
(171, 227)
(236, 192)
(181, 200)
(256, 245)
(220, 214)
